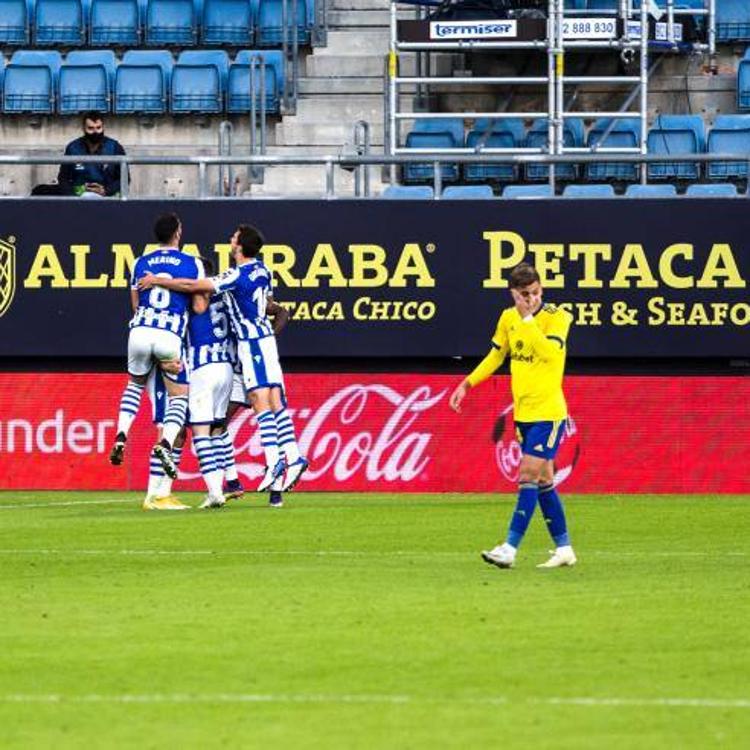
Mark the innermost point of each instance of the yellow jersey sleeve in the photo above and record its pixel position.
(494, 358)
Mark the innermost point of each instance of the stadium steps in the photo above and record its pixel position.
(342, 83)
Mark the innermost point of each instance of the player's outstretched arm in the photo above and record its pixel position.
(191, 286)
(478, 375)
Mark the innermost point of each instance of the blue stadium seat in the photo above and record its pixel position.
(171, 22)
(524, 192)
(468, 192)
(228, 22)
(588, 191)
(86, 81)
(651, 191)
(270, 32)
(142, 82)
(512, 125)
(31, 82)
(59, 23)
(676, 134)
(426, 171)
(437, 133)
(743, 82)
(729, 135)
(14, 22)
(717, 190)
(452, 125)
(408, 192)
(114, 22)
(238, 87)
(732, 21)
(624, 134)
(199, 80)
(573, 137)
(496, 171)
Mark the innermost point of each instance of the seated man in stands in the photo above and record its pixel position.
(91, 180)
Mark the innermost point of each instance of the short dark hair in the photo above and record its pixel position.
(93, 116)
(165, 227)
(250, 240)
(523, 275)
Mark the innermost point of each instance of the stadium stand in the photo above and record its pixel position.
(59, 23)
(716, 190)
(489, 134)
(86, 81)
(732, 21)
(171, 22)
(676, 134)
(142, 82)
(30, 82)
(114, 23)
(270, 29)
(239, 81)
(588, 191)
(14, 22)
(526, 192)
(730, 134)
(434, 134)
(467, 192)
(573, 137)
(624, 134)
(199, 81)
(408, 192)
(651, 191)
(228, 22)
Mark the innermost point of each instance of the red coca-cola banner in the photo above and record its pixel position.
(396, 433)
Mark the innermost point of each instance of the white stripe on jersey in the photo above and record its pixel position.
(242, 327)
(147, 316)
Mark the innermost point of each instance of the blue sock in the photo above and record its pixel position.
(554, 514)
(527, 497)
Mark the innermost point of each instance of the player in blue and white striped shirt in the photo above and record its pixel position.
(156, 333)
(246, 288)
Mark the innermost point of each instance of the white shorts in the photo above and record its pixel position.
(238, 390)
(149, 346)
(259, 359)
(210, 388)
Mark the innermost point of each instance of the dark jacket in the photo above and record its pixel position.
(72, 176)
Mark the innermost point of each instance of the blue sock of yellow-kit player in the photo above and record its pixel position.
(554, 514)
(527, 498)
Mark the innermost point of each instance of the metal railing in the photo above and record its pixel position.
(632, 35)
(350, 162)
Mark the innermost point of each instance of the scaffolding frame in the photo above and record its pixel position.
(633, 38)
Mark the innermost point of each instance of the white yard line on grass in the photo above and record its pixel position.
(338, 553)
(66, 504)
(363, 698)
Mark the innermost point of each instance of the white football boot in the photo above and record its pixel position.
(272, 474)
(213, 501)
(561, 557)
(503, 556)
(293, 473)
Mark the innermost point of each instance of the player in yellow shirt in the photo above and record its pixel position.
(533, 335)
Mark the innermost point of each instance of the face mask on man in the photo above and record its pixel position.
(94, 138)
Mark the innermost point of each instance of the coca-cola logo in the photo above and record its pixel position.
(370, 430)
(508, 451)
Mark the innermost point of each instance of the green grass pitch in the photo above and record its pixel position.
(369, 621)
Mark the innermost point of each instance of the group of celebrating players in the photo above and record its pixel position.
(207, 346)
(203, 347)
